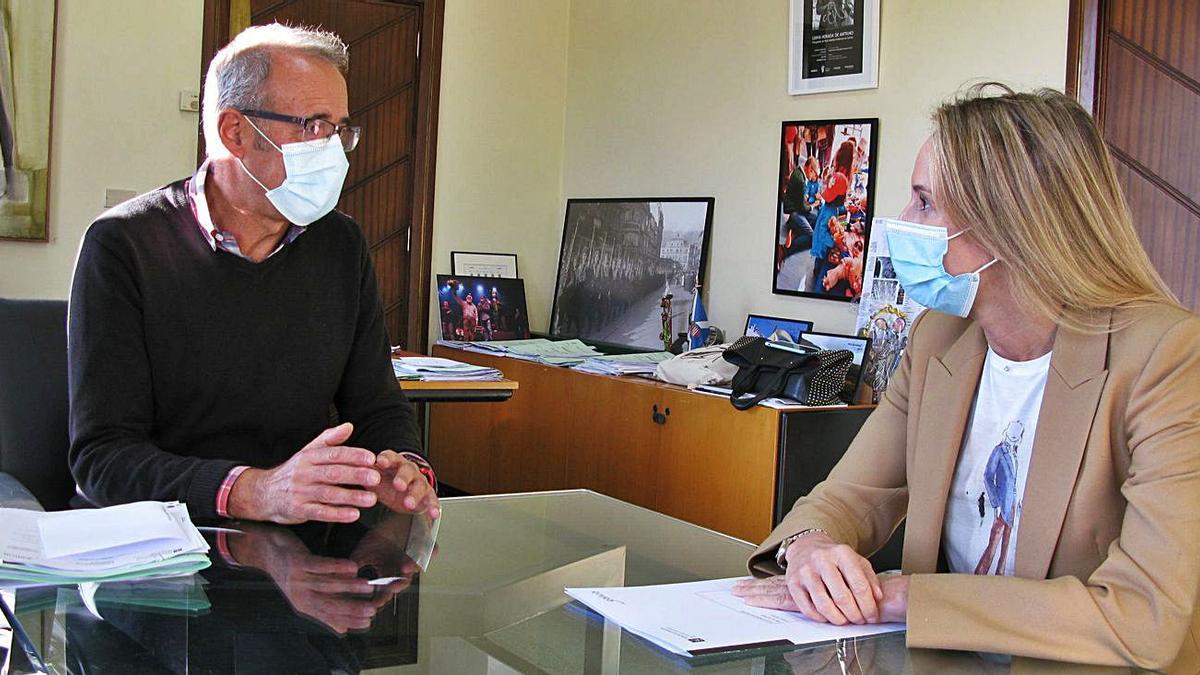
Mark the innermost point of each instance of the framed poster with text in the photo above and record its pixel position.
(833, 46)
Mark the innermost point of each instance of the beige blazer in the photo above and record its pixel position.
(1108, 551)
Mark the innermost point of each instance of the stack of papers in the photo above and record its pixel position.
(540, 350)
(550, 352)
(470, 347)
(433, 368)
(704, 617)
(623, 364)
(120, 542)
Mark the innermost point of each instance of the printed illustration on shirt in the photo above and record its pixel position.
(1000, 495)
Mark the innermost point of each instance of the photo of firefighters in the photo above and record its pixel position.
(482, 309)
(824, 208)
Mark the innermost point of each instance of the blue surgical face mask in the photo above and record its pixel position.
(315, 171)
(917, 252)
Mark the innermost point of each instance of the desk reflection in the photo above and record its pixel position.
(294, 599)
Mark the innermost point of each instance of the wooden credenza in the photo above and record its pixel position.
(685, 454)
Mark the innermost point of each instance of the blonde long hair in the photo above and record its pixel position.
(1031, 176)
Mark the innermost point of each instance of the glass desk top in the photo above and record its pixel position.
(296, 600)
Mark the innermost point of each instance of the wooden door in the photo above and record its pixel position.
(393, 96)
(1136, 65)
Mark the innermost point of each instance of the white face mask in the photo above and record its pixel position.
(315, 171)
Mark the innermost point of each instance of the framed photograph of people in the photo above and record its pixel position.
(775, 328)
(482, 309)
(628, 269)
(826, 188)
(858, 348)
(26, 86)
(472, 264)
(833, 46)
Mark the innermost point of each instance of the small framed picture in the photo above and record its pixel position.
(482, 309)
(492, 265)
(833, 46)
(776, 328)
(858, 346)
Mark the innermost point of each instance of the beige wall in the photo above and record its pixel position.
(547, 99)
(116, 124)
(685, 97)
(500, 138)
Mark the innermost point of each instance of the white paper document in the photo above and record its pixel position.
(704, 617)
(139, 538)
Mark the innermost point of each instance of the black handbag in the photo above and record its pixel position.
(803, 372)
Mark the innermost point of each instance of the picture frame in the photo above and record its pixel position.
(619, 260)
(481, 309)
(858, 346)
(826, 196)
(478, 264)
(833, 45)
(26, 107)
(760, 325)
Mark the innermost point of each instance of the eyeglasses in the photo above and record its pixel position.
(314, 128)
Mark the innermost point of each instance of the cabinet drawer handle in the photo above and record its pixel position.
(660, 417)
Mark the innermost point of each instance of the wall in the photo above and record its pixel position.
(500, 139)
(685, 97)
(547, 99)
(119, 67)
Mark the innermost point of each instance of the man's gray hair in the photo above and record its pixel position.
(238, 72)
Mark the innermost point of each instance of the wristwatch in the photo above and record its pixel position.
(781, 553)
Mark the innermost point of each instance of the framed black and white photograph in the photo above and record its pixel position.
(826, 188)
(474, 264)
(776, 328)
(857, 346)
(482, 309)
(628, 269)
(833, 46)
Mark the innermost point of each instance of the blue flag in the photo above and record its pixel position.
(698, 330)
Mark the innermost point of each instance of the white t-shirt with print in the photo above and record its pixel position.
(983, 511)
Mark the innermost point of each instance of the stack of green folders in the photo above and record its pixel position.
(131, 541)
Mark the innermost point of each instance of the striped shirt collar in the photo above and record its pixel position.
(220, 238)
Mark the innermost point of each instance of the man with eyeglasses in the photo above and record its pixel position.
(219, 323)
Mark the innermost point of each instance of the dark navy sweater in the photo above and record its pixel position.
(185, 362)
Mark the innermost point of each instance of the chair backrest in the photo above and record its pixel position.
(813, 443)
(33, 398)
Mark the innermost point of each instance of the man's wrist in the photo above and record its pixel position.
(226, 487)
(243, 496)
(423, 466)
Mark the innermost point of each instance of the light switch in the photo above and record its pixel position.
(189, 100)
(113, 196)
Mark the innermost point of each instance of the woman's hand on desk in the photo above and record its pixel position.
(827, 582)
(774, 593)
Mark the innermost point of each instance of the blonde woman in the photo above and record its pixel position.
(1048, 317)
